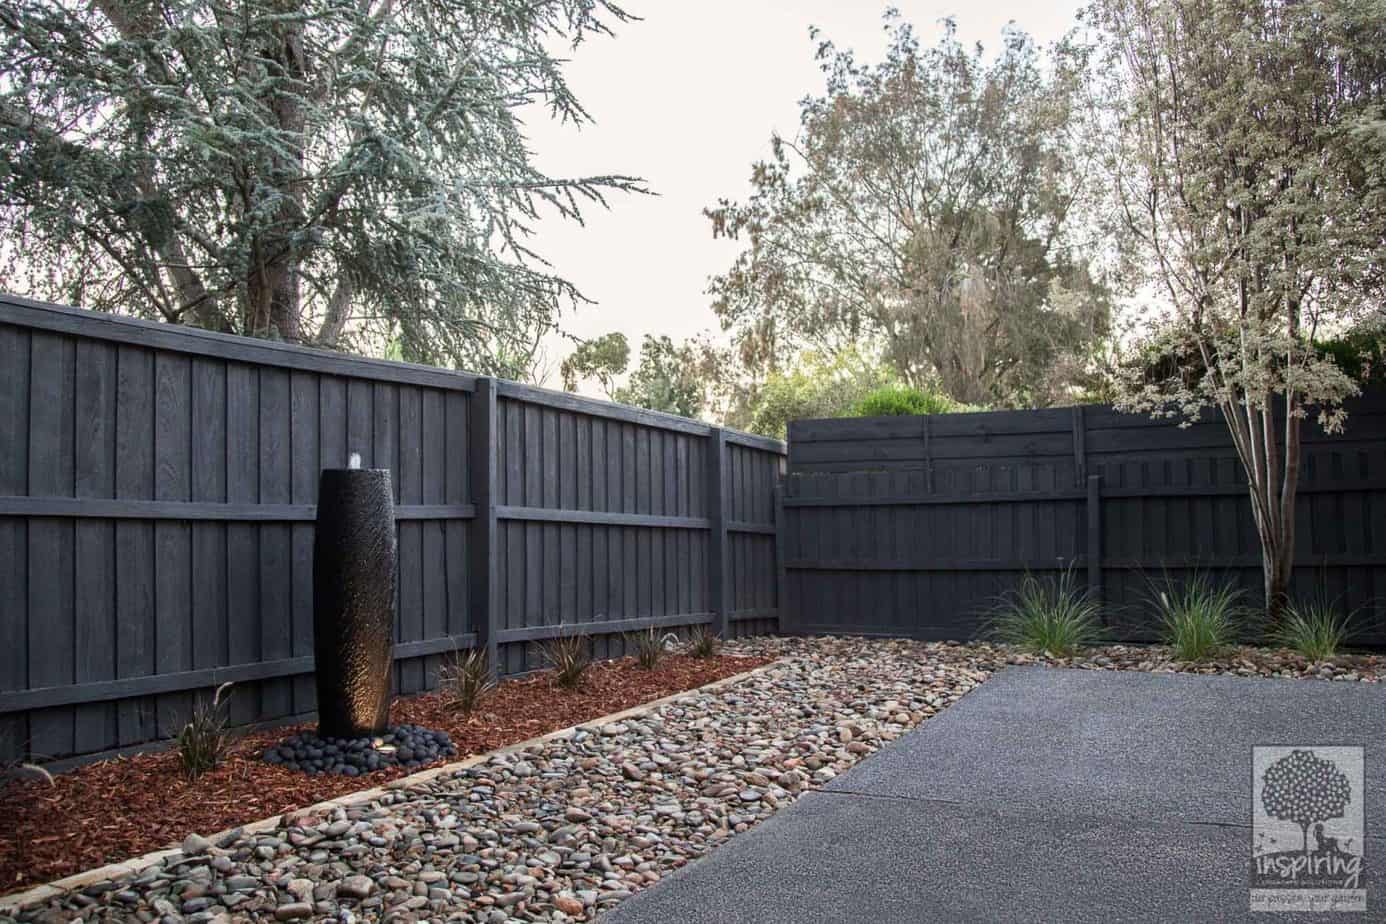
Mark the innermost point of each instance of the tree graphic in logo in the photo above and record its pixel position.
(1304, 788)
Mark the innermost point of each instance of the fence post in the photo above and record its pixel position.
(781, 538)
(481, 570)
(1080, 451)
(1095, 540)
(717, 540)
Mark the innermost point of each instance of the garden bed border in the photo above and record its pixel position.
(16, 901)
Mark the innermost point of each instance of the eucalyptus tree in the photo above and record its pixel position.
(668, 377)
(1248, 154)
(601, 358)
(937, 208)
(344, 173)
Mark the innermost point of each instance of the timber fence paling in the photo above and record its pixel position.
(914, 525)
(157, 495)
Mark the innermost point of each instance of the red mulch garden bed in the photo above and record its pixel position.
(116, 809)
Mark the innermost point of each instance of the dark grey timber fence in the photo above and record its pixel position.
(913, 525)
(157, 490)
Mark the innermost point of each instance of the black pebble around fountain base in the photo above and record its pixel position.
(354, 562)
(408, 746)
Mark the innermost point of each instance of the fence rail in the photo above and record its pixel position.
(914, 525)
(157, 492)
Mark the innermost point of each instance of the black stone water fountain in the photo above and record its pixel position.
(354, 567)
(354, 574)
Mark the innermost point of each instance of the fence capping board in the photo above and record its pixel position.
(568, 401)
(159, 335)
(755, 441)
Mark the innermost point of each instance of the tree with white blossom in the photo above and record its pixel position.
(1248, 154)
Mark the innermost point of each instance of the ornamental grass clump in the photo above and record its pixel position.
(569, 656)
(649, 646)
(465, 679)
(1198, 619)
(1047, 616)
(703, 642)
(1316, 630)
(203, 742)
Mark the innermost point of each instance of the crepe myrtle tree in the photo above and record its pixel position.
(342, 173)
(1248, 150)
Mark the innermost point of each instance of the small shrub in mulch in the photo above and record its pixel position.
(465, 679)
(113, 810)
(203, 741)
(569, 655)
(649, 646)
(703, 642)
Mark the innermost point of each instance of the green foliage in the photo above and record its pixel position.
(334, 173)
(465, 679)
(204, 741)
(650, 646)
(898, 400)
(601, 358)
(1197, 617)
(1360, 353)
(936, 208)
(1048, 616)
(703, 642)
(569, 654)
(667, 379)
(814, 385)
(1317, 629)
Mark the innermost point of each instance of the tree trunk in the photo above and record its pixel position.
(1276, 583)
(273, 286)
(1272, 469)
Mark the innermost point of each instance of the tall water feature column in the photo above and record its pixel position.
(354, 576)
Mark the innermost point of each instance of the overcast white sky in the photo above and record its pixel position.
(687, 98)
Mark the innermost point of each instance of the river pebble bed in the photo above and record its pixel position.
(567, 828)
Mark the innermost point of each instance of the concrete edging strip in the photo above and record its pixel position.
(42, 893)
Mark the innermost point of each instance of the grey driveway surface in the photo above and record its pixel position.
(1044, 795)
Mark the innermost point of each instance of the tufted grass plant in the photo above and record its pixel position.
(650, 646)
(204, 741)
(1316, 630)
(569, 654)
(703, 642)
(1198, 618)
(1047, 616)
(465, 679)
